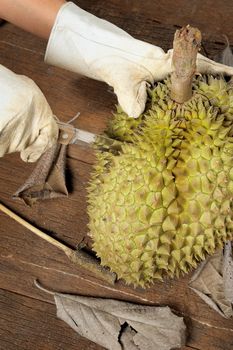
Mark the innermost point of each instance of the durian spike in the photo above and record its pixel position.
(78, 257)
(186, 45)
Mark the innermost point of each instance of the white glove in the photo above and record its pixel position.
(26, 120)
(85, 44)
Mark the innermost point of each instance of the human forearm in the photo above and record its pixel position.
(35, 16)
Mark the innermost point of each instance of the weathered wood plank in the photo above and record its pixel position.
(23, 257)
(27, 323)
(167, 12)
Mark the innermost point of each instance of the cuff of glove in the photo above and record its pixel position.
(56, 52)
(79, 38)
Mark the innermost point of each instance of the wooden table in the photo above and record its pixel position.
(28, 316)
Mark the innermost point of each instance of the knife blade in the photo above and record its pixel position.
(69, 135)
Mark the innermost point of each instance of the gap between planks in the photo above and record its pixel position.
(119, 292)
(21, 47)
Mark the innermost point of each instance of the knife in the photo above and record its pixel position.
(69, 135)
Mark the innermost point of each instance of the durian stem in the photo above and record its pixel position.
(186, 45)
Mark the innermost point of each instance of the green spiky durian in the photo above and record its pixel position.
(162, 201)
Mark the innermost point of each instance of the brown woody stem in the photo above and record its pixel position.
(80, 258)
(185, 48)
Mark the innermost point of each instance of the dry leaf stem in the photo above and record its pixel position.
(185, 48)
(79, 257)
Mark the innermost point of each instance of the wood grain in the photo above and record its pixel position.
(23, 257)
(27, 323)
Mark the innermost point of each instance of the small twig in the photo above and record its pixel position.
(79, 257)
(74, 118)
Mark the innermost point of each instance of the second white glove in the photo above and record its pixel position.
(88, 45)
(85, 44)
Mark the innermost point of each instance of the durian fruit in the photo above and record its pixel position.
(162, 201)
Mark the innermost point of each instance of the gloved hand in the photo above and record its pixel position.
(26, 120)
(85, 44)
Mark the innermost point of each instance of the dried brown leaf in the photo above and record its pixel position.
(228, 272)
(119, 325)
(226, 56)
(212, 281)
(48, 178)
(127, 339)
